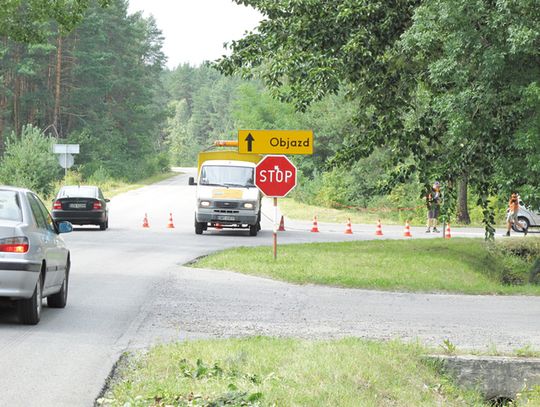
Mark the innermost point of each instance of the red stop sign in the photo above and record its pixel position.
(275, 175)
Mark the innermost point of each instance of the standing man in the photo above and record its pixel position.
(512, 215)
(433, 200)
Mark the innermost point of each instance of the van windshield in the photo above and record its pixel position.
(222, 175)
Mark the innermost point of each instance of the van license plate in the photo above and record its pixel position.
(226, 218)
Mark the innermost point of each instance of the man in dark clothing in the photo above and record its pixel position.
(433, 200)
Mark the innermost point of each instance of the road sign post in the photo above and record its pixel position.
(65, 155)
(275, 176)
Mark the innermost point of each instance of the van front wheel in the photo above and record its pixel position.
(199, 228)
(253, 229)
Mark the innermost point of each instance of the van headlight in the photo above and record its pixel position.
(204, 204)
(248, 205)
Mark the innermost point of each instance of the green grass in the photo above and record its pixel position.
(109, 187)
(115, 187)
(284, 372)
(301, 211)
(459, 265)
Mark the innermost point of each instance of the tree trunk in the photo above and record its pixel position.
(16, 94)
(462, 209)
(57, 88)
(3, 102)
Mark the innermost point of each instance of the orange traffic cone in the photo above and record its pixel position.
(448, 234)
(315, 227)
(378, 231)
(407, 230)
(145, 222)
(171, 224)
(281, 225)
(348, 230)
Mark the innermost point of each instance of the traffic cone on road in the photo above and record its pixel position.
(145, 222)
(407, 230)
(378, 231)
(315, 227)
(170, 225)
(447, 234)
(348, 230)
(281, 225)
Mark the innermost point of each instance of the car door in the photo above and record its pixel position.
(48, 238)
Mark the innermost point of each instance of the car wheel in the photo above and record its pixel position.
(199, 228)
(59, 300)
(29, 310)
(103, 226)
(253, 229)
(523, 223)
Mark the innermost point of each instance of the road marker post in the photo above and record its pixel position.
(145, 222)
(315, 227)
(378, 231)
(170, 225)
(348, 230)
(447, 233)
(281, 225)
(407, 232)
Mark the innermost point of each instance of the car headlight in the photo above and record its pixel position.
(248, 205)
(205, 204)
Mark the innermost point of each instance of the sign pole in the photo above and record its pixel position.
(275, 228)
(65, 168)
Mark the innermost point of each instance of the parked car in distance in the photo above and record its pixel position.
(81, 205)
(34, 260)
(527, 217)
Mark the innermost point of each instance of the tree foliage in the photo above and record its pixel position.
(451, 84)
(98, 85)
(29, 161)
(26, 21)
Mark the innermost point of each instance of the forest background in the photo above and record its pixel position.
(396, 98)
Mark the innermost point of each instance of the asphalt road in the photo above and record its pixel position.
(128, 289)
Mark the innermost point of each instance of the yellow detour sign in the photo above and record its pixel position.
(275, 141)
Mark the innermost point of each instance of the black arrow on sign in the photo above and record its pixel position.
(250, 140)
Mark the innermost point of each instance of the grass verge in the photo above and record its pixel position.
(110, 187)
(116, 187)
(284, 372)
(301, 211)
(459, 265)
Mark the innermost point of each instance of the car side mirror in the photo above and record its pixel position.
(64, 227)
(191, 181)
(107, 200)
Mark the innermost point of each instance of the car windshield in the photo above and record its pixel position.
(224, 175)
(77, 192)
(10, 207)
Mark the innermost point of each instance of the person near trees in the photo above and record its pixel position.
(512, 214)
(433, 200)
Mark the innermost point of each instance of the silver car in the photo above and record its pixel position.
(527, 217)
(34, 261)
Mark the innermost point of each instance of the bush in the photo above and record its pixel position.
(29, 162)
(517, 257)
(99, 177)
(337, 188)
